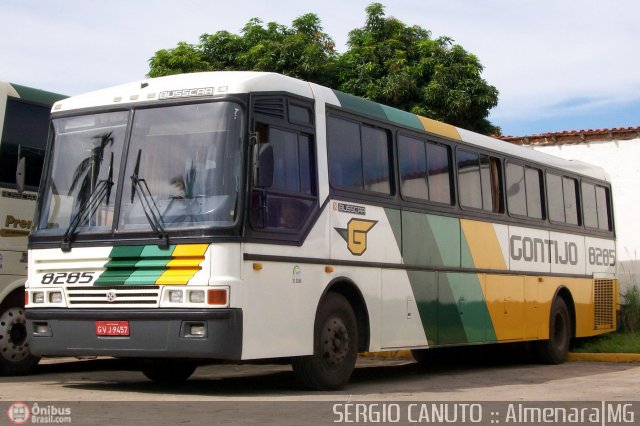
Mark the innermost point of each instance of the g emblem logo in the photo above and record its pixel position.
(356, 235)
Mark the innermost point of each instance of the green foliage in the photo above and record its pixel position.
(630, 313)
(387, 62)
(613, 343)
(301, 51)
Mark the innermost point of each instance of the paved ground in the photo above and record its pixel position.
(232, 386)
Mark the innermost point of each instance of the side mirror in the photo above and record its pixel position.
(264, 165)
(20, 171)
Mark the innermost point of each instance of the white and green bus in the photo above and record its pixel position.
(24, 122)
(246, 216)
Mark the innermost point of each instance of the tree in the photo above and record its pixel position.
(386, 61)
(303, 51)
(402, 66)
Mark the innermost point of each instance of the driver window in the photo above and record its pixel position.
(285, 205)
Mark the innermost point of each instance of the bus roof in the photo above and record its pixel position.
(236, 82)
(28, 94)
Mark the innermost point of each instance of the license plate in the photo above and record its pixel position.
(112, 328)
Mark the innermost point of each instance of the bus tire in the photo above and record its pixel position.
(335, 347)
(425, 357)
(15, 356)
(168, 371)
(555, 349)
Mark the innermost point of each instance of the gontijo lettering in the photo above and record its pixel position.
(531, 249)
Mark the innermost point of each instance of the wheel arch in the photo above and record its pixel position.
(564, 293)
(350, 291)
(11, 290)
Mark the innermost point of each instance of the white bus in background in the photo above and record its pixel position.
(24, 124)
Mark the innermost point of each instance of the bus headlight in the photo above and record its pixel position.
(196, 296)
(55, 297)
(38, 297)
(175, 296)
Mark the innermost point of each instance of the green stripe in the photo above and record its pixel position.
(429, 240)
(450, 326)
(425, 293)
(135, 265)
(360, 105)
(403, 118)
(452, 307)
(472, 308)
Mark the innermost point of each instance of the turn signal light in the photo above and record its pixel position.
(217, 297)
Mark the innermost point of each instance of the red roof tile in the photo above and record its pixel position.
(575, 136)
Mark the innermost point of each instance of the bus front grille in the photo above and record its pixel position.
(103, 296)
(603, 303)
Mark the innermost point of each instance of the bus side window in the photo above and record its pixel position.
(287, 202)
(524, 191)
(562, 193)
(358, 156)
(25, 130)
(479, 181)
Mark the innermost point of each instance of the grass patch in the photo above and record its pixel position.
(617, 343)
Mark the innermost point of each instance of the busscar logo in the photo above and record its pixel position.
(356, 234)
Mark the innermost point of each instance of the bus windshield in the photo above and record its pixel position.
(183, 164)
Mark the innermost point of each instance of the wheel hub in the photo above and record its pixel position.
(335, 342)
(13, 335)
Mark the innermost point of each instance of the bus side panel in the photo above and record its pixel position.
(280, 299)
(16, 215)
(401, 320)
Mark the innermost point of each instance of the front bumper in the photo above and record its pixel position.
(161, 333)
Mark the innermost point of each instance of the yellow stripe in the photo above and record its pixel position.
(184, 250)
(439, 128)
(185, 263)
(483, 244)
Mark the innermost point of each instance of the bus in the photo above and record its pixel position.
(248, 215)
(24, 123)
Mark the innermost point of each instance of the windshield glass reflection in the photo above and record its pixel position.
(188, 156)
(82, 150)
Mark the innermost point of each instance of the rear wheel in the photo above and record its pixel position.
(555, 350)
(335, 347)
(15, 356)
(426, 357)
(169, 371)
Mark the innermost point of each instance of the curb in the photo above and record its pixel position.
(571, 357)
(403, 354)
(603, 357)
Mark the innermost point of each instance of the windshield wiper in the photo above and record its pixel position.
(149, 206)
(102, 191)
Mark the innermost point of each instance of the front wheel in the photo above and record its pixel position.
(335, 347)
(168, 371)
(15, 356)
(555, 350)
